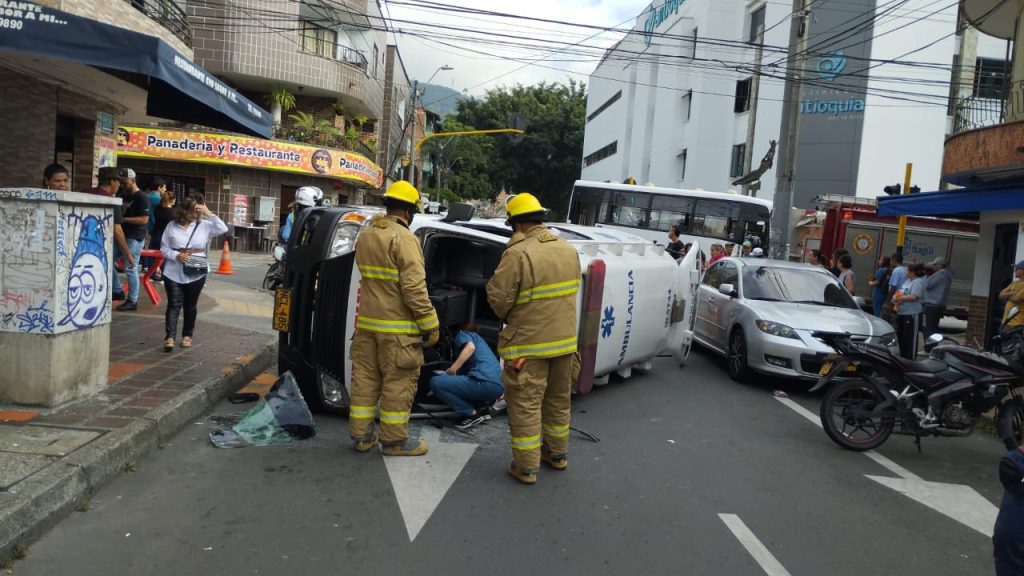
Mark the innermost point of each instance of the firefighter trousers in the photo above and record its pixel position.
(538, 398)
(385, 369)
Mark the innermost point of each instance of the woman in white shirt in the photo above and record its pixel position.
(189, 234)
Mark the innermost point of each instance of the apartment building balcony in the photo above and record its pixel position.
(168, 14)
(314, 57)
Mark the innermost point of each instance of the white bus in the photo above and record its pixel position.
(648, 211)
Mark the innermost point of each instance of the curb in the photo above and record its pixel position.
(46, 497)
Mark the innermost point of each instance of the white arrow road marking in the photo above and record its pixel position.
(959, 502)
(755, 548)
(420, 482)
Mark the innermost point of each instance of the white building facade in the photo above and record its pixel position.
(682, 102)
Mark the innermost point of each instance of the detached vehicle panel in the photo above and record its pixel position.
(635, 302)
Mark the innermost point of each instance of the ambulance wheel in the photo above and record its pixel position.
(737, 357)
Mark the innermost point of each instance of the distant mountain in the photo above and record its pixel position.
(439, 99)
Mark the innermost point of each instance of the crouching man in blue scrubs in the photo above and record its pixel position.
(474, 379)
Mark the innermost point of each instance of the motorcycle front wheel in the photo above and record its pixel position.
(1010, 426)
(843, 419)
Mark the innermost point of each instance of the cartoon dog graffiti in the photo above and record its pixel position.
(87, 283)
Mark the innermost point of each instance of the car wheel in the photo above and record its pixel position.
(737, 357)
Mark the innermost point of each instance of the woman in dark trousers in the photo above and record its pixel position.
(908, 316)
(163, 214)
(188, 235)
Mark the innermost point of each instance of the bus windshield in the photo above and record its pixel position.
(710, 216)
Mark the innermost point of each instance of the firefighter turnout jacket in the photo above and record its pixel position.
(534, 291)
(394, 298)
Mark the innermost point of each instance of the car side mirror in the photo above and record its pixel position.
(727, 289)
(932, 341)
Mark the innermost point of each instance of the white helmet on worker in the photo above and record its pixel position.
(309, 196)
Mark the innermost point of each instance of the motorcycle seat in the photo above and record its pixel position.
(928, 365)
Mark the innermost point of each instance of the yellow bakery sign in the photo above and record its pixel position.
(233, 150)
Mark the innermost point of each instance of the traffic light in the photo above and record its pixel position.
(893, 190)
(915, 190)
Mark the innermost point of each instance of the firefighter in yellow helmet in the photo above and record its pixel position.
(534, 291)
(394, 314)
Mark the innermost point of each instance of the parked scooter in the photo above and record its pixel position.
(275, 273)
(874, 393)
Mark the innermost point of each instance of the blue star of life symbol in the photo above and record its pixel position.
(608, 322)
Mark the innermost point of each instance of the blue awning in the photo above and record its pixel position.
(959, 202)
(178, 88)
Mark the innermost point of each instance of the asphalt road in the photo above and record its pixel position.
(693, 474)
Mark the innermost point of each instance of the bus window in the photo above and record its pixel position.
(671, 210)
(629, 209)
(715, 218)
(589, 205)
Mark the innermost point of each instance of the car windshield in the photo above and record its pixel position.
(779, 284)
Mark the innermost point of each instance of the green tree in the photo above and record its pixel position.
(546, 161)
(461, 163)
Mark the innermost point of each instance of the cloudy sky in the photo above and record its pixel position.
(433, 37)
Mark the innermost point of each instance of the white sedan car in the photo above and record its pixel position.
(761, 315)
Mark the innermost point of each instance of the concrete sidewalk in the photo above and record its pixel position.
(52, 461)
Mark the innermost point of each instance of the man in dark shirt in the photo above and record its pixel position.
(136, 215)
(108, 186)
(675, 245)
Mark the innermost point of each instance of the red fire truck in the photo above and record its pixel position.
(852, 223)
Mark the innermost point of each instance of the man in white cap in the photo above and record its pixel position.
(936, 295)
(757, 253)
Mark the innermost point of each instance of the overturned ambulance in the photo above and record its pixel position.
(635, 303)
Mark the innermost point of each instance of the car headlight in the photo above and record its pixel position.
(887, 339)
(344, 240)
(776, 329)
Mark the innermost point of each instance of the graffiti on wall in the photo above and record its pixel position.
(87, 298)
(54, 274)
(26, 267)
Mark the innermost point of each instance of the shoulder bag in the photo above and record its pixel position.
(195, 265)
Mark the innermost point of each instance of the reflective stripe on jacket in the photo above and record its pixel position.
(394, 296)
(534, 291)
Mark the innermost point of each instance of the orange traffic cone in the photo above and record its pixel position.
(225, 261)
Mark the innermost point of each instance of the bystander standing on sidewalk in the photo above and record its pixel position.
(896, 279)
(880, 285)
(108, 186)
(136, 215)
(936, 295)
(184, 277)
(56, 177)
(846, 276)
(162, 214)
(909, 308)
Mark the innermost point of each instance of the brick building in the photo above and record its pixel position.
(67, 78)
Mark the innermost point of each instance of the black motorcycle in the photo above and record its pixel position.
(275, 273)
(874, 393)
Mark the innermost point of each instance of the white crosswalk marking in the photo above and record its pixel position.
(755, 548)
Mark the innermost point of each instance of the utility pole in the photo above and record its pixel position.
(783, 202)
(755, 83)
